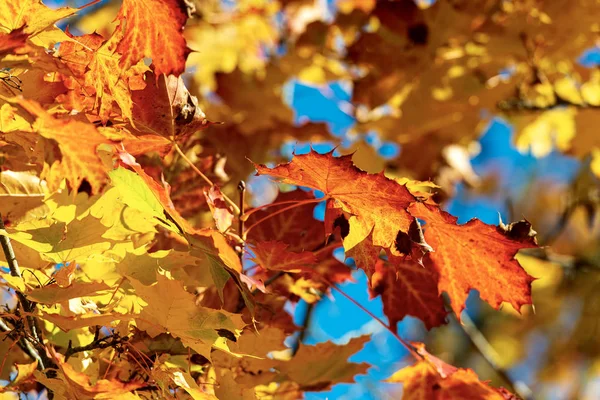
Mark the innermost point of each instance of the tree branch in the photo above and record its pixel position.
(305, 324)
(113, 340)
(28, 307)
(23, 343)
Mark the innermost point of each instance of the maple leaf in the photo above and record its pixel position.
(276, 256)
(79, 384)
(20, 195)
(154, 29)
(219, 208)
(318, 367)
(432, 378)
(408, 288)
(296, 227)
(165, 107)
(143, 193)
(143, 144)
(53, 294)
(78, 144)
(94, 65)
(35, 19)
(285, 240)
(62, 242)
(12, 41)
(81, 321)
(198, 328)
(376, 205)
(476, 256)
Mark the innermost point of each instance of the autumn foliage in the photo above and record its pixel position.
(141, 262)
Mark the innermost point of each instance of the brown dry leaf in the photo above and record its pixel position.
(219, 208)
(165, 107)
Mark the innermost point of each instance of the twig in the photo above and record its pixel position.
(242, 303)
(24, 344)
(406, 344)
(208, 181)
(242, 189)
(28, 307)
(559, 226)
(113, 340)
(490, 355)
(305, 324)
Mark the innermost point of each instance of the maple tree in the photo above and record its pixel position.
(141, 262)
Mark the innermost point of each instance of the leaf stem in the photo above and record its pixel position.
(255, 209)
(242, 189)
(296, 204)
(235, 207)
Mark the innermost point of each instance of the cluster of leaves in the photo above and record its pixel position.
(135, 273)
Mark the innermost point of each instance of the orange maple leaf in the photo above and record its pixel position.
(475, 256)
(93, 63)
(154, 29)
(433, 379)
(78, 143)
(143, 144)
(375, 203)
(79, 385)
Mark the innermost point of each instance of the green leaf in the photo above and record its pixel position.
(136, 194)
